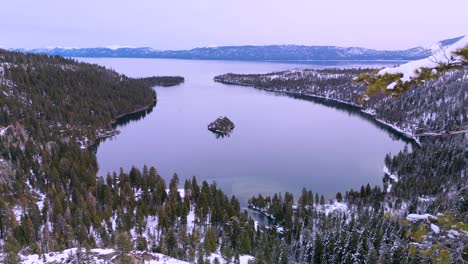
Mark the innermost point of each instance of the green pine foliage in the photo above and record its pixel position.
(376, 83)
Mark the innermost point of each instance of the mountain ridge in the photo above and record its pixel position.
(250, 52)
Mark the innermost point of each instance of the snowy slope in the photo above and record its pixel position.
(441, 56)
(105, 256)
(98, 256)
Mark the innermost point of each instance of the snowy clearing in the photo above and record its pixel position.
(333, 207)
(105, 256)
(419, 217)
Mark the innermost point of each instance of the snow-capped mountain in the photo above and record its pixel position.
(251, 53)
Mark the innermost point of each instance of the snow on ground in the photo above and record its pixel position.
(280, 229)
(389, 187)
(244, 259)
(453, 233)
(104, 256)
(56, 257)
(163, 259)
(426, 199)
(4, 130)
(40, 197)
(103, 251)
(443, 55)
(190, 221)
(181, 192)
(18, 211)
(99, 256)
(407, 131)
(435, 229)
(394, 177)
(419, 217)
(332, 207)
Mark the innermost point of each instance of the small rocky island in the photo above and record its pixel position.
(221, 126)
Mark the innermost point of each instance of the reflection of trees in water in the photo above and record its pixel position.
(133, 117)
(352, 111)
(122, 122)
(220, 136)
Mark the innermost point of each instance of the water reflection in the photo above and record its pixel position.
(133, 117)
(221, 135)
(259, 217)
(352, 111)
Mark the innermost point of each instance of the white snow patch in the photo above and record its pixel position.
(435, 229)
(280, 229)
(332, 207)
(98, 256)
(163, 259)
(4, 130)
(102, 251)
(57, 257)
(244, 259)
(18, 211)
(453, 232)
(391, 86)
(190, 221)
(116, 47)
(426, 199)
(419, 217)
(394, 177)
(443, 55)
(181, 192)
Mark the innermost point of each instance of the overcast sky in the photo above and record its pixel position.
(185, 24)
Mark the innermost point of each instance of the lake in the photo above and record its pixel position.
(279, 144)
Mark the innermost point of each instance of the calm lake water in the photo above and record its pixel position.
(279, 144)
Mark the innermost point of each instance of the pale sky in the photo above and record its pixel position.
(185, 24)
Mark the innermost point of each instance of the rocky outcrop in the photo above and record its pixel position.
(222, 126)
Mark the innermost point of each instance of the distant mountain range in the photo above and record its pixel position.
(251, 53)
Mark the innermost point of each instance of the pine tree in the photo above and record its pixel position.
(283, 258)
(11, 249)
(210, 242)
(142, 244)
(322, 200)
(123, 243)
(171, 243)
(200, 260)
(372, 257)
(318, 249)
(339, 197)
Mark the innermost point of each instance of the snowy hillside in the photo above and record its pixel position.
(442, 55)
(107, 256)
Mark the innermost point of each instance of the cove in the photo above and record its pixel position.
(280, 143)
